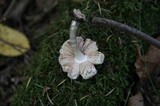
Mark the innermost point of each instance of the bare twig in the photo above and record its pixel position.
(9, 9)
(15, 9)
(126, 29)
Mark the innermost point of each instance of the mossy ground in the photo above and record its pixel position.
(113, 75)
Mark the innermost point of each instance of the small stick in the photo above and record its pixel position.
(9, 9)
(15, 9)
(122, 27)
(126, 29)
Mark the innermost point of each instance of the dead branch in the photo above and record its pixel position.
(15, 9)
(122, 27)
(127, 29)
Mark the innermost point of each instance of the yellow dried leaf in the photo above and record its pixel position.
(12, 42)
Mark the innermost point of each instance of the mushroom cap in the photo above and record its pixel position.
(86, 69)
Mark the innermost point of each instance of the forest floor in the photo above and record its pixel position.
(37, 79)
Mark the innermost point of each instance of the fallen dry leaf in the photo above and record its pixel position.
(148, 63)
(136, 100)
(146, 66)
(12, 42)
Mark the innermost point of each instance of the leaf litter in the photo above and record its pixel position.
(147, 69)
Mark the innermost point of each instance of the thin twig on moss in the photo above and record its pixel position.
(126, 29)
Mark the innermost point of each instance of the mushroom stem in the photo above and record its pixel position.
(79, 56)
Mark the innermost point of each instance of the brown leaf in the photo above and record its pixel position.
(139, 64)
(148, 63)
(136, 100)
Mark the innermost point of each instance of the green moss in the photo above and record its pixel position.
(113, 74)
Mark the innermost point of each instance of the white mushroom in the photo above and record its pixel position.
(78, 56)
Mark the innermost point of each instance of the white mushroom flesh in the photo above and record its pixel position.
(83, 64)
